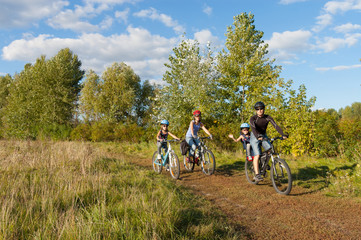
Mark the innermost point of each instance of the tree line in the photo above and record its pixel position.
(54, 98)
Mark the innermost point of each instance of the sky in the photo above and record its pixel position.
(317, 43)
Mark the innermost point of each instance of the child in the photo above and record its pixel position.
(162, 137)
(192, 134)
(245, 138)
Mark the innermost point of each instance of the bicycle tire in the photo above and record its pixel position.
(281, 176)
(249, 170)
(174, 168)
(188, 165)
(157, 164)
(208, 162)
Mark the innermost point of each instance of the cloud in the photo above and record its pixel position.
(144, 52)
(207, 10)
(329, 44)
(123, 15)
(332, 8)
(165, 19)
(338, 68)
(205, 36)
(286, 2)
(21, 13)
(348, 27)
(284, 46)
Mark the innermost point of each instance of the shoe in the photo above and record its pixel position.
(258, 178)
(167, 167)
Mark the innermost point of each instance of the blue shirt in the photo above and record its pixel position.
(195, 129)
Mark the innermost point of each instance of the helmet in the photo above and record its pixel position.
(164, 122)
(197, 112)
(244, 125)
(259, 105)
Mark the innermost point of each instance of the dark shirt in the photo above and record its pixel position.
(259, 125)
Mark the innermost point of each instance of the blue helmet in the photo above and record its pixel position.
(244, 125)
(164, 122)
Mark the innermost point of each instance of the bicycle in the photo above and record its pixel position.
(169, 160)
(280, 171)
(205, 158)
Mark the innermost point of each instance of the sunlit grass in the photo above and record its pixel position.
(67, 190)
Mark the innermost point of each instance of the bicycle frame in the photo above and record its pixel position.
(270, 154)
(165, 157)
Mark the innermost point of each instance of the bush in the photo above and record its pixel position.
(81, 132)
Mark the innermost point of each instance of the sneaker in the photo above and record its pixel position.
(167, 167)
(258, 178)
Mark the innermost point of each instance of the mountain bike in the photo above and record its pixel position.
(203, 156)
(280, 171)
(169, 160)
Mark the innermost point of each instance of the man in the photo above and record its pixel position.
(259, 123)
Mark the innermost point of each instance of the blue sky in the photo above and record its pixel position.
(316, 42)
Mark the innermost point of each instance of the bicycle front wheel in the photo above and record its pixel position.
(157, 164)
(174, 168)
(208, 162)
(281, 176)
(248, 166)
(188, 163)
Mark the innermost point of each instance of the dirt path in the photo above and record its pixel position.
(264, 214)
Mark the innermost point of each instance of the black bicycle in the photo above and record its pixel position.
(280, 171)
(203, 156)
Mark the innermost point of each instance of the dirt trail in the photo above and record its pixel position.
(264, 214)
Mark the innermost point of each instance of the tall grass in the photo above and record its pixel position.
(67, 190)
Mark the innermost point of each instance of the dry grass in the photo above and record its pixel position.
(73, 190)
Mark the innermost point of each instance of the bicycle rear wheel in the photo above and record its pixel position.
(208, 162)
(174, 168)
(281, 176)
(248, 166)
(188, 164)
(157, 164)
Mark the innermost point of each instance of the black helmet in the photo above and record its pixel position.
(259, 105)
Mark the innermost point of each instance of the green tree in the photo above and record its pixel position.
(247, 75)
(43, 96)
(89, 104)
(189, 85)
(351, 112)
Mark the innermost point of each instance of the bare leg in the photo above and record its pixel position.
(255, 164)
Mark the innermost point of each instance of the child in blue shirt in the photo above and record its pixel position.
(244, 137)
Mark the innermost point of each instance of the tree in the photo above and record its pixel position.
(247, 75)
(43, 96)
(189, 85)
(118, 96)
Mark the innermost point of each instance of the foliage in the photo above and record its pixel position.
(189, 85)
(246, 74)
(43, 95)
(118, 96)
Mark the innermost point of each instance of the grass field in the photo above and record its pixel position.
(68, 190)
(73, 190)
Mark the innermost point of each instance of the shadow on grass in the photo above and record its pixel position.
(316, 178)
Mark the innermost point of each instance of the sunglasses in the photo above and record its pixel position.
(258, 109)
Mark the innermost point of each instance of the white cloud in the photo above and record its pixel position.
(330, 44)
(77, 19)
(338, 68)
(165, 19)
(348, 27)
(284, 46)
(205, 36)
(322, 22)
(207, 10)
(21, 13)
(286, 2)
(144, 52)
(332, 8)
(123, 15)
